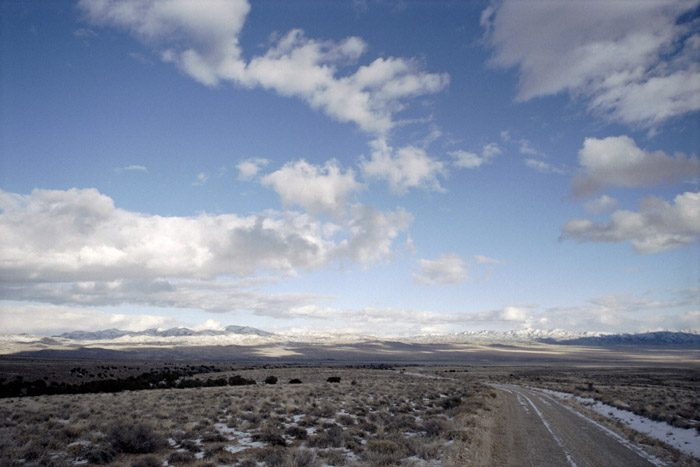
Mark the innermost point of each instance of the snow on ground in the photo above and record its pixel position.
(686, 440)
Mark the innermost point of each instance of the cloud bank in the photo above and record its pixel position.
(76, 247)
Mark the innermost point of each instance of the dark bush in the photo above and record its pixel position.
(434, 427)
(100, 455)
(137, 439)
(333, 379)
(451, 402)
(295, 381)
(147, 461)
(239, 380)
(180, 457)
(271, 380)
(213, 437)
(296, 432)
(190, 445)
(271, 439)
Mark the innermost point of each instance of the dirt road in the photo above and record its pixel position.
(536, 429)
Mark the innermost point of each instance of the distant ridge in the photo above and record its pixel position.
(557, 337)
(659, 338)
(108, 334)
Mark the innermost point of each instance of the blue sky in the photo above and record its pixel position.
(378, 167)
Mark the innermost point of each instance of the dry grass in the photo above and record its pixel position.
(371, 417)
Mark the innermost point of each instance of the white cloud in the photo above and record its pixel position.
(201, 38)
(543, 167)
(601, 205)
(466, 160)
(75, 247)
(470, 160)
(480, 259)
(658, 225)
(52, 320)
(613, 313)
(79, 235)
(618, 162)
(526, 147)
(200, 179)
(316, 189)
(637, 67)
(249, 168)
(625, 313)
(132, 168)
(84, 33)
(372, 233)
(445, 270)
(404, 168)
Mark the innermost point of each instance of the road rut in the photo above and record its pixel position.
(536, 429)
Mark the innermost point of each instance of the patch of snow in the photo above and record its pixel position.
(686, 440)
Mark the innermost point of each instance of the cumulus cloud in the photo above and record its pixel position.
(601, 205)
(201, 39)
(404, 168)
(658, 225)
(640, 68)
(80, 236)
(249, 168)
(470, 160)
(445, 270)
(316, 189)
(372, 233)
(617, 161)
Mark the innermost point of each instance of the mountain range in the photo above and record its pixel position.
(108, 334)
(659, 338)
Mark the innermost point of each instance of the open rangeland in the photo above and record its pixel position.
(304, 415)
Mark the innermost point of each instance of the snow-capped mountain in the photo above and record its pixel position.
(109, 334)
(246, 335)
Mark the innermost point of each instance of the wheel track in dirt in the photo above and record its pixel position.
(535, 429)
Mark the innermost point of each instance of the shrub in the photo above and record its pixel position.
(180, 457)
(296, 432)
(434, 427)
(301, 458)
(271, 439)
(295, 381)
(451, 402)
(333, 379)
(147, 461)
(137, 439)
(100, 455)
(238, 380)
(271, 380)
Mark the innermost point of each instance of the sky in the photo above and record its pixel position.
(380, 167)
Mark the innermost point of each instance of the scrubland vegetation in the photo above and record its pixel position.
(159, 413)
(334, 416)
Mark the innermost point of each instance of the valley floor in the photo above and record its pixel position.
(363, 415)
